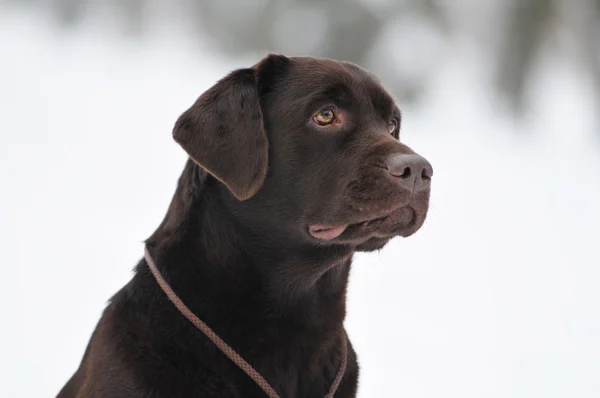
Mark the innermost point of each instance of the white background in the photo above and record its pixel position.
(497, 296)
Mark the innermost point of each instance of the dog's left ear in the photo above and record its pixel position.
(224, 133)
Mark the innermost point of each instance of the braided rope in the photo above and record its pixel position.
(340, 374)
(224, 347)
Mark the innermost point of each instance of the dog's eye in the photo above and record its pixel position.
(324, 117)
(392, 126)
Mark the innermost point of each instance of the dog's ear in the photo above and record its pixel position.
(224, 133)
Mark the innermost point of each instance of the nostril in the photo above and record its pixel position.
(405, 173)
(426, 174)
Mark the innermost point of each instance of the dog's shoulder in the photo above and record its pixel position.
(103, 371)
(125, 359)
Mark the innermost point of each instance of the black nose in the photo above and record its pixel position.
(413, 172)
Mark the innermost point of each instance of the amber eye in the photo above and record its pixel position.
(392, 126)
(324, 117)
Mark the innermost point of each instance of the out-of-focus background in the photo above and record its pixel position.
(497, 296)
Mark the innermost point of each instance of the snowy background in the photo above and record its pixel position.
(497, 296)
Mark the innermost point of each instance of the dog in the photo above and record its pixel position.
(294, 165)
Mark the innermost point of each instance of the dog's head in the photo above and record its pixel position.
(308, 149)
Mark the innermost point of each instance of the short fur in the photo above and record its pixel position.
(235, 242)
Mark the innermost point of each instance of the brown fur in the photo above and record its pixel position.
(236, 244)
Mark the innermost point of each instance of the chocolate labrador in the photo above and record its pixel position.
(294, 165)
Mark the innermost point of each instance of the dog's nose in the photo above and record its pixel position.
(412, 172)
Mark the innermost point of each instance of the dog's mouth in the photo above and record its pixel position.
(396, 223)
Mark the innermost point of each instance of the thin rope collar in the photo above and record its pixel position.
(224, 347)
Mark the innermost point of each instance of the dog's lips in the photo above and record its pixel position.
(326, 232)
(401, 221)
(329, 232)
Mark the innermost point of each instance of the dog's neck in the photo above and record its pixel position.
(201, 247)
(273, 300)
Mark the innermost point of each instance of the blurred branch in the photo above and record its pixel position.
(593, 44)
(432, 9)
(249, 36)
(68, 12)
(133, 11)
(528, 24)
(345, 41)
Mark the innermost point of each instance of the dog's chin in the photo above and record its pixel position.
(380, 240)
(372, 244)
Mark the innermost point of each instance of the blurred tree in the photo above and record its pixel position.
(354, 29)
